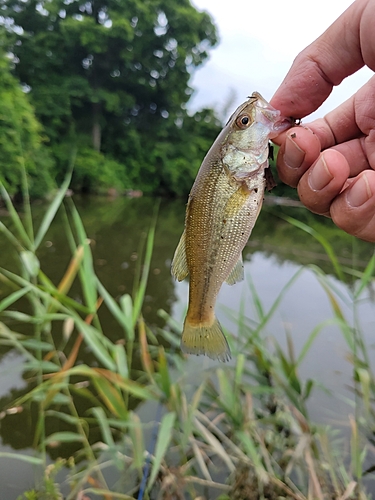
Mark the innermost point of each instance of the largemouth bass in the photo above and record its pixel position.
(223, 206)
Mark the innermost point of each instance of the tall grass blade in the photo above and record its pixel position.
(126, 304)
(31, 262)
(51, 211)
(256, 299)
(162, 443)
(26, 198)
(64, 437)
(215, 444)
(22, 458)
(121, 360)
(311, 338)
(365, 278)
(9, 235)
(266, 317)
(13, 297)
(123, 319)
(141, 288)
(200, 460)
(112, 397)
(140, 293)
(87, 273)
(146, 360)
(253, 453)
(70, 274)
(104, 425)
(97, 343)
(21, 232)
(136, 436)
(321, 239)
(165, 379)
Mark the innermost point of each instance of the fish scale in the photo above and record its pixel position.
(222, 209)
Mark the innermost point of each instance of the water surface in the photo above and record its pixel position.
(275, 253)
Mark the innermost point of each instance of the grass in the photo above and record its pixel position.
(243, 432)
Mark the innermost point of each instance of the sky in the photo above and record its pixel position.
(259, 40)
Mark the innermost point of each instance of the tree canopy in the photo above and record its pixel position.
(111, 78)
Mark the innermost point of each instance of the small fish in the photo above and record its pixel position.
(223, 206)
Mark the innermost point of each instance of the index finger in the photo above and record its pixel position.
(335, 55)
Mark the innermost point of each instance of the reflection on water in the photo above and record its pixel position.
(274, 254)
(302, 308)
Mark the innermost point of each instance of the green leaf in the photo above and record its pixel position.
(226, 393)
(37, 344)
(140, 291)
(252, 452)
(11, 237)
(13, 297)
(44, 366)
(162, 443)
(65, 417)
(111, 396)
(23, 458)
(51, 211)
(22, 234)
(104, 425)
(366, 277)
(86, 271)
(122, 316)
(308, 387)
(311, 338)
(266, 317)
(31, 262)
(164, 373)
(97, 343)
(121, 360)
(240, 364)
(322, 240)
(136, 436)
(64, 437)
(126, 304)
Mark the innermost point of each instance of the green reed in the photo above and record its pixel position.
(242, 432)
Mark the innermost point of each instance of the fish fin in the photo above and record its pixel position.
(270, 181)
(205, 339)
(237, 273)
(179, 266)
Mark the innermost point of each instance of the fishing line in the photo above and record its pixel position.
(150, 452)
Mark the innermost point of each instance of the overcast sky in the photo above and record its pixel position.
(258, 41)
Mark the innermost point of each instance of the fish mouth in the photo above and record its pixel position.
(271, 118)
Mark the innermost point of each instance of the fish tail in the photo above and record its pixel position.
(205, 339)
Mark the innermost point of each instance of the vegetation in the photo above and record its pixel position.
(21, 139)
(242, 432)
(110, 80)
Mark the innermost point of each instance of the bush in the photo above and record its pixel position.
(21, 140)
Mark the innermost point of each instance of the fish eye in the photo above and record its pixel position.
(243, 121)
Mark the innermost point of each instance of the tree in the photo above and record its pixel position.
(108, 73)
(20, 138)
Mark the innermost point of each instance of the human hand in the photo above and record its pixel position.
(332, 162)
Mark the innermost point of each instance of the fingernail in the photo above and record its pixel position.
(293, 154)
(319, 176)
(359, 192)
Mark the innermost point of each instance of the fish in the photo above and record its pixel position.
(222, 208)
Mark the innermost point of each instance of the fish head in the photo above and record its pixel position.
(247, 133)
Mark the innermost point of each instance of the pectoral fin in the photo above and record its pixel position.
(237, 273)
(179, 267)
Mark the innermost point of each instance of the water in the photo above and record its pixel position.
(275, 253)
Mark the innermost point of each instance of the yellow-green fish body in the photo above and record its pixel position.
(223, 206)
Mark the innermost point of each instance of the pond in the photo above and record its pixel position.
(277, 253)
